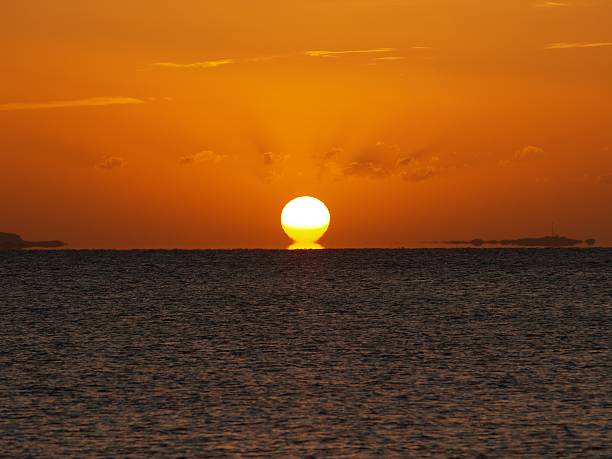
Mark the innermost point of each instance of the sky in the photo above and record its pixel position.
(190, 123)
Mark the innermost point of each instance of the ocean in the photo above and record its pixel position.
(331, 353)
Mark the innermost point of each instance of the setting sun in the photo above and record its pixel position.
(305, 220)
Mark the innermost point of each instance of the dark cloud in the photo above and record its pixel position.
(365, 169)
(206, 156)
(272, 159)
(525, 153)
(328, 163)
(383, 160)
(111, 162)
(332, 153)
(376, 161)
(415, 169)
(273, 165)
(528, 151)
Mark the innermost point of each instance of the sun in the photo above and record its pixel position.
(305, 220)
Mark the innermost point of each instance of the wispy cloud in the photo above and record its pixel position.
(563, 45)
(551, 4)
(206, 156)
(91, 102)
(110, 163)
(211, 64)
(195, 65)
(322, 53)
(389, 58)
(528, 151)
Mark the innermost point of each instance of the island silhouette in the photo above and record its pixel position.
(12, 241)
(545, 241)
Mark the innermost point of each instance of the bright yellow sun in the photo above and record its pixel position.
(305, 220)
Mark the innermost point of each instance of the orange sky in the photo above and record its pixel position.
(149, 123)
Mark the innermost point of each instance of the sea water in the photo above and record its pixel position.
(337, 353)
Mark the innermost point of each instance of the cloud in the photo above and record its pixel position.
(111, 162)
(323, 159)
(369, 169)
(327, 164)
(415, 169)
(390, 58)
(195, 65)
(321, 53)
(563, 45)
(379, 161)
(331, 153)
(606, 179)
(211, 64)
(376, 161)
(528, 151)
(270, 159)
(272, 163)
(91, 102)
(205, 156)
(551, 5)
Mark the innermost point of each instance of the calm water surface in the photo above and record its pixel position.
(355, 353)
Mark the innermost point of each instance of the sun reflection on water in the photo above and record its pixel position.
(305, 246)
